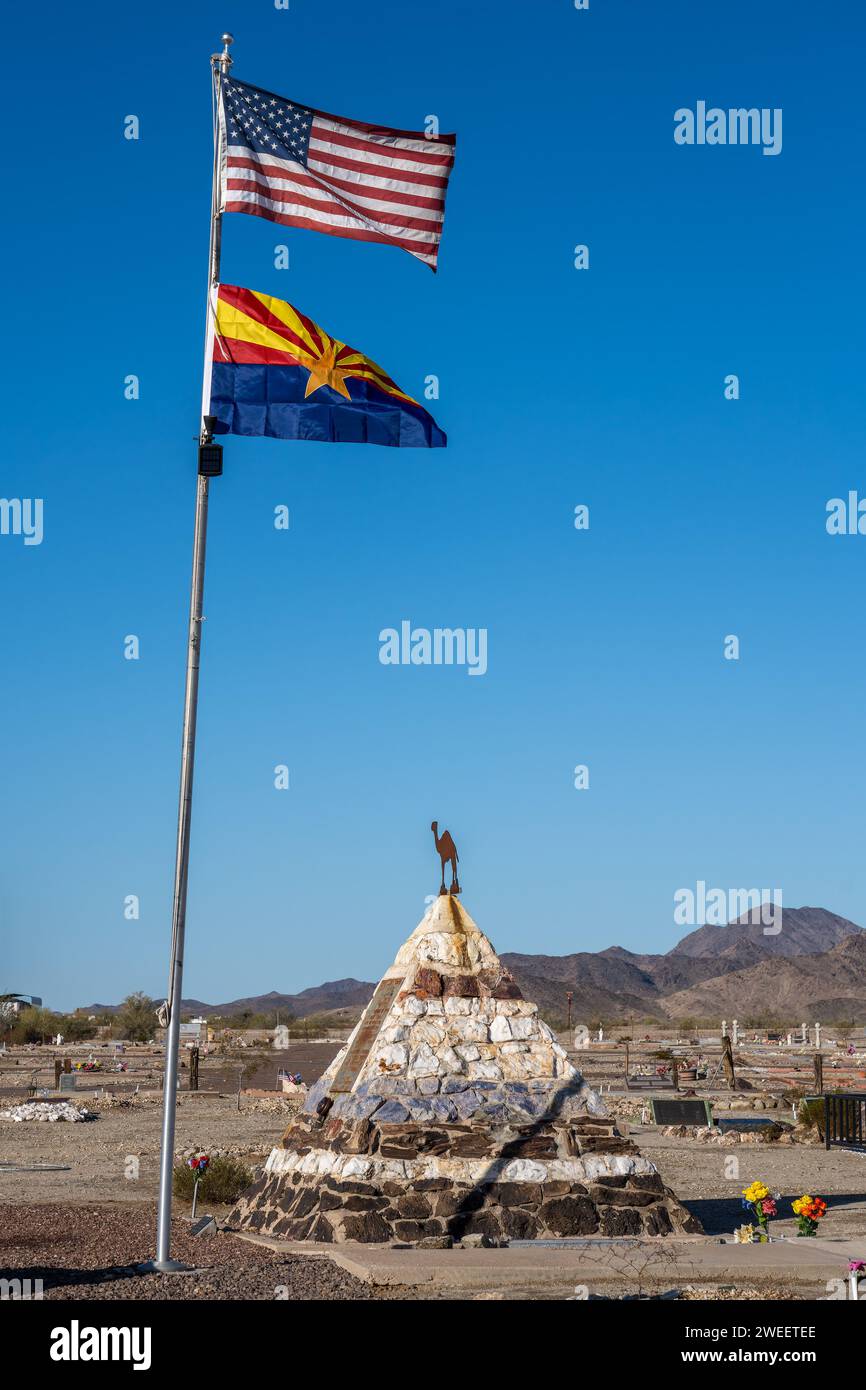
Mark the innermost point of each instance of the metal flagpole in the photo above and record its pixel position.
(210, 465)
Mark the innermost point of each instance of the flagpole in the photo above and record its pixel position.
(210, 464)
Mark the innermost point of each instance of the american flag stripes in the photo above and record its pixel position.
(291, 164)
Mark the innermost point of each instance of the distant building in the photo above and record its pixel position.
(194, 1032)
(27, 1001)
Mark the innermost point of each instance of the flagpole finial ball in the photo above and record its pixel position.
(224, 59)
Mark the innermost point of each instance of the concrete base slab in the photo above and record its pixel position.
(558, 1266)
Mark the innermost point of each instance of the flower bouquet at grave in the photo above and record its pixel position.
(199, 1164)
(757, 1199)
(808, 1211)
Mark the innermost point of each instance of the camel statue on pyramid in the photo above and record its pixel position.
(447, 851)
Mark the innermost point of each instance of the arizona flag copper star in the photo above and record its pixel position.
(276, 372)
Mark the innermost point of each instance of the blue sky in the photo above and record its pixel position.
(558, 387)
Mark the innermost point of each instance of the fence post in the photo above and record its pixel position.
(827, 1122)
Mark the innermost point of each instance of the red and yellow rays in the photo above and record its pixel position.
(257, 328)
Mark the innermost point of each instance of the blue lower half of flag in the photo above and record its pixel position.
(255, 399)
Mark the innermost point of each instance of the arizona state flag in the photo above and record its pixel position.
(276, 372)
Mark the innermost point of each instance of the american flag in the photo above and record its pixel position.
(291, 164)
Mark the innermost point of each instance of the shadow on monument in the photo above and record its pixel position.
(466, 1220)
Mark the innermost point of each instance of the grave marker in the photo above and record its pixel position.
(667, 1111)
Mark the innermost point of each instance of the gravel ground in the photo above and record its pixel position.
(89, 1252)
(97, 1155)
(698, 1174)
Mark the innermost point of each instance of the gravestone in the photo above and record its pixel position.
(681, 1112)
(67, 1081)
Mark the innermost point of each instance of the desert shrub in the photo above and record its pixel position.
(792, 1095)
(811, 1113)
(316, 1024)
(136, 1018)
(224, 1181)
(773, 1131)
(554, 1019)
(34, 1025)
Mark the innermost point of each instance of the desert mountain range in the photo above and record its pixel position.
(813, 968)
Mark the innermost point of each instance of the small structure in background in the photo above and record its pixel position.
(281, 1037)
(194, 1032)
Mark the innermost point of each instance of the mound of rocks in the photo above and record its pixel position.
(51, 1111)
(771, 1133)
(452, 1111)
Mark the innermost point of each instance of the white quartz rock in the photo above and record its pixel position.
(523, 1027)
(450, 1060)
(424, 1062)
(524, 1170)
(392, 1057)
(500, 1029)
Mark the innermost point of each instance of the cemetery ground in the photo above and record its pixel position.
(77, 1209)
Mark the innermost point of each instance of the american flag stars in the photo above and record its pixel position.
(291, 164)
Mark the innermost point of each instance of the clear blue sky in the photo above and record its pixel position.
(558, 387)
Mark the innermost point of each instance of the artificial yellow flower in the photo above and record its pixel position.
(756, 1192)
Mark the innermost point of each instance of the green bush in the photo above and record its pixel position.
(223, 1182)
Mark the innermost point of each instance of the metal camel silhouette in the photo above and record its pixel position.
(447, 851)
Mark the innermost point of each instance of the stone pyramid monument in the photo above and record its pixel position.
(453, 1110)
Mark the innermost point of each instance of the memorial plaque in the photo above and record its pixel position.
(371, 1023)
(667, 1111)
